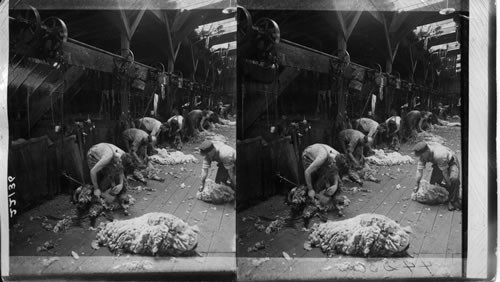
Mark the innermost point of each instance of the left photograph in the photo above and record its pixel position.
(122, 139)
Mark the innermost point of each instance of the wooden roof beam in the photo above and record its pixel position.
(86, 56)
(121, 4)
(317, 5)
(194, 63)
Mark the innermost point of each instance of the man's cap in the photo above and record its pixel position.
(206, 146)
(420, 147)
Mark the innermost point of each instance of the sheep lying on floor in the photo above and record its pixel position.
(387, 159)
(150, 172)
(429, 137)
(165, 157)
(367, 235)
(301, 206)
(215, 193)
(430, 194)
(88, 204)
(150, 234)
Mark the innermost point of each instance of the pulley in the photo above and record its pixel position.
(26, 25)
(158, 73)
(56, 33)
(244, 22)
(123, 63)
(342, 64)
(268, 30)
(267, 35)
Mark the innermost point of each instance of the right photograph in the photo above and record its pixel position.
(352, 121)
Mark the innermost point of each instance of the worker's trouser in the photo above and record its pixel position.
(222, 176)
(454, 187)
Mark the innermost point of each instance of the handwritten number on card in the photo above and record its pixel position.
(12, 202)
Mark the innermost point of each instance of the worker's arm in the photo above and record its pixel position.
(446, 176)
(373, 131)
(156, 130)
(347, 149)
(398, 125)
(201, 123)
(420, 170)
(133, 151)
(444, 166)
(179, 126)
(204, 172)
(351, 156)
(105, 159)
(420, 122)
(118, 188)
(232, 174)
(330, 191)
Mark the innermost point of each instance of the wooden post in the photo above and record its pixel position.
(388, 90)
(342, 46)
(124, 88)
(344, 23)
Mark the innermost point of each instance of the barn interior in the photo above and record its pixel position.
(78, 74)
(303, 70)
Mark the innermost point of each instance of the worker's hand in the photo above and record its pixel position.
(201, 188)
(97, 192)
(116, 190)
(311, 194)
(417, 187)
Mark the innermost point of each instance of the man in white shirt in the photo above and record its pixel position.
(445, 167)
(175, 129)
(152, 126)
(225, 156)
(393, 131)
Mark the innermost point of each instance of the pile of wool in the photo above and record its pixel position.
(429, 137)
(430, 194)
(215, 193)
(364, 235)
(150, 172)
(394, 158)
(302, 205)
(226, 123)
(165, 157)
(275, 225)
(366, 173)
(87, 203)
(63, 224)
(212, 136)
(151, 234)
(448, 123)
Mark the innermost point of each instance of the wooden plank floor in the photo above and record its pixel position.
(437, 232)
(177, 196)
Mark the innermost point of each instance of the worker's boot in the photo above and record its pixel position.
(451, 206)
